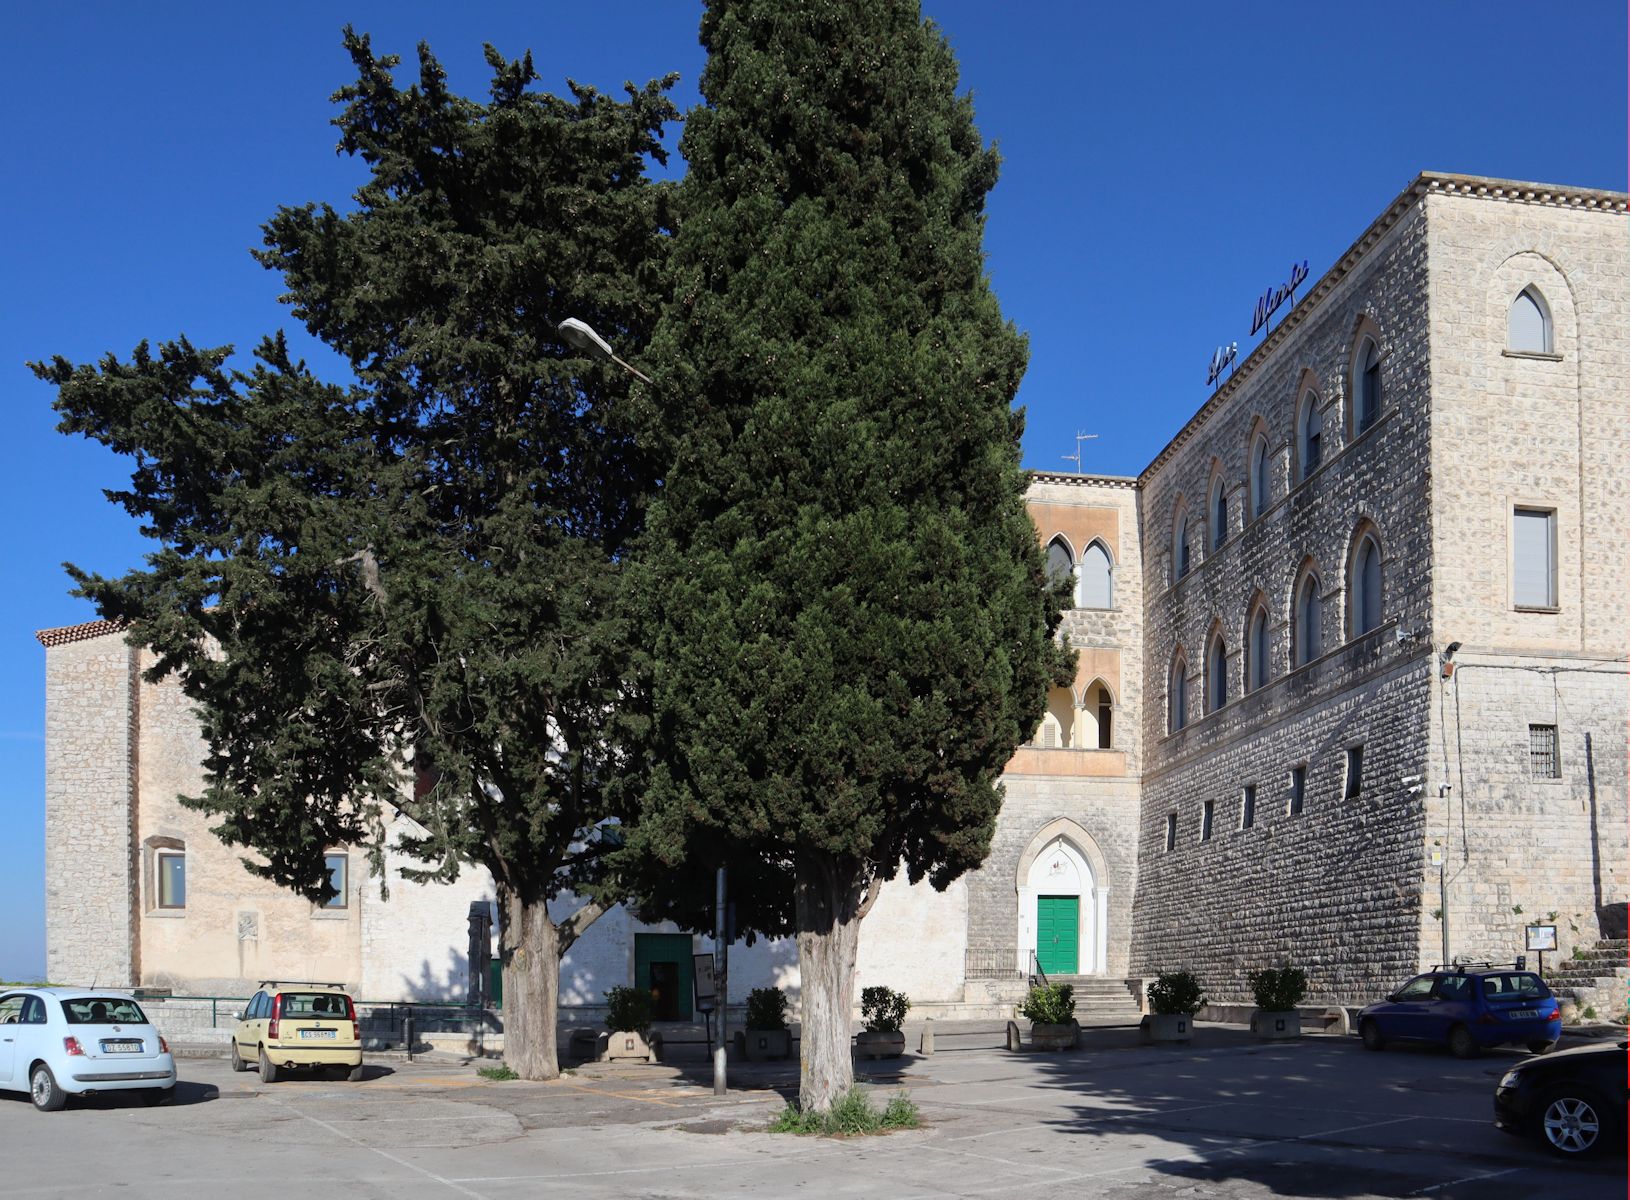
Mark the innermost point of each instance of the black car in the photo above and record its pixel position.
(1573, 1101)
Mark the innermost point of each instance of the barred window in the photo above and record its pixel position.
(1542, 757)
(1205, 822)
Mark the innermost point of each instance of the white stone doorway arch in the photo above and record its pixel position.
(1063, 860)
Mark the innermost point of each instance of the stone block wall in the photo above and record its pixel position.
(90, 731)
(1335, 890)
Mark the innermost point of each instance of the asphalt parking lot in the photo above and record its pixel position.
(1228, 1117)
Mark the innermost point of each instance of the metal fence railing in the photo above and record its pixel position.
(991, 962)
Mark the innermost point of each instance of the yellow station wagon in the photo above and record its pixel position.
(290, 1025)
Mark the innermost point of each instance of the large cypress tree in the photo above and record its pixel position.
(403, 594)
(851, 625)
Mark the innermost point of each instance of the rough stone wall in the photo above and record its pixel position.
(1546, 431)
(89, 728)
(1336, 889)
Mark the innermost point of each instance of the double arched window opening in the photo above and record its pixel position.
(1093, 585)
(1528, 324)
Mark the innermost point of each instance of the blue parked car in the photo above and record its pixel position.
(1468, 1008)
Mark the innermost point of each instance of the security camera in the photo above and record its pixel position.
(1407, 780)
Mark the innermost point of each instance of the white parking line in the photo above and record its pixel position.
(1468, 1179)
(385, 1154)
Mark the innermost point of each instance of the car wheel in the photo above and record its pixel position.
(268, 1072)
(1541, 1047)
(1570, 1121)
(43, 1090)
(1370, 1032)
(354, 1075)
(153, 1097)
(237, 1059)
(1462, 1044)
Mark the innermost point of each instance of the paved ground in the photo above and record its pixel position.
(1228, 1117)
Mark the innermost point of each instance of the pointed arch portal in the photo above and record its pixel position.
(1063, 889)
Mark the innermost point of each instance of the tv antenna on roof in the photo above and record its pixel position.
(1076, 457)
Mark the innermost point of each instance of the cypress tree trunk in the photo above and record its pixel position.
(829, 907)
(531, 945)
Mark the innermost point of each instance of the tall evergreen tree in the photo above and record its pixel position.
(851, 624)
(403, 595)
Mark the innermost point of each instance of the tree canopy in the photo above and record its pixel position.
(402, 592)
(850, 623)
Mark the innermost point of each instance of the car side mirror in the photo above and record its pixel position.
(1392, 997)
(237, 1016)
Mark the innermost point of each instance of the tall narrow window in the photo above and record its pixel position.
(1298, 789)
(1059, 563)
(1171, 832)
(1309, 425)
(338, 866)
(1247, 807)
(1533, 558)
(172, 879)
(1256, 651)
(1355, 772)
(1309, 641)
(1097, 579)
(1180, 545)
(1364, 588)
(1205, 822)
(1366, 386)
(1177, 695)
(1543, 762)
(1528, 326)
(1099, 699)
(1259, 476)
(1219, 513)
(1216, 675)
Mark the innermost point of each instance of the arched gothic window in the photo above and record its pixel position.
(1256, 650)
(1098, 715)
(1059, 563)
(1219, 512)
(1097, 578)
(1216, 674)
(1057, 730)
(1366, 385)
(1364, 587)
(1177, 698)
(1308, 643)
(1528, 326)
(1309, 427)
(1259, 476)
(1180, 547)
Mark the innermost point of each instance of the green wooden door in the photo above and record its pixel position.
(662, 964)
(1058, 933)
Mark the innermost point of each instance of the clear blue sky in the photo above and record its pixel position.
(1163, 165)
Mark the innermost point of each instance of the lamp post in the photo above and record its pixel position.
(580, 335)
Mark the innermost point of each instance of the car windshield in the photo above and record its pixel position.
(103, 1010)
(1515, 985)
(314, 1004)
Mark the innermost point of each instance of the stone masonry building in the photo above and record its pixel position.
(1351, 688)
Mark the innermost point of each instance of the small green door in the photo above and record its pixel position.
(1058, 933)
(663, 966)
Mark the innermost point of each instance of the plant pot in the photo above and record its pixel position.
(762, 1045)
(1167, 1027)
(1045, 1036)
(627, 1046)
(872, 1044)
(1276, 1026)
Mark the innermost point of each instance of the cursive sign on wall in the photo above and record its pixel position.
(1268, 303)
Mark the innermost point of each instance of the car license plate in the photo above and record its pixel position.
(317, 1033)
(1522, 1014)
(121, 1047)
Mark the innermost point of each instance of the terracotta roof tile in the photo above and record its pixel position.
(78, 633)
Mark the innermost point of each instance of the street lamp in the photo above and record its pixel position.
(580, 335)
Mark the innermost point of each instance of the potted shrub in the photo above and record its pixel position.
(1277, 990)
(1050, 1009)
(884, 1012)
(766, 1036)
(628, 1017)
(1174, 998)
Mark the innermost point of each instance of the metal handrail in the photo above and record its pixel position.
(1036, 972)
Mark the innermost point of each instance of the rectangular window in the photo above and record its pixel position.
(1355, 772)
(1298, 788)
(1543, 762)
(1171, 832)
(1533, 558)
(337, 879)
(172, 880)
(1247, 808)
(1205, 822)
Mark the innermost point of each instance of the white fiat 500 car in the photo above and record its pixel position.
(61, 1042)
